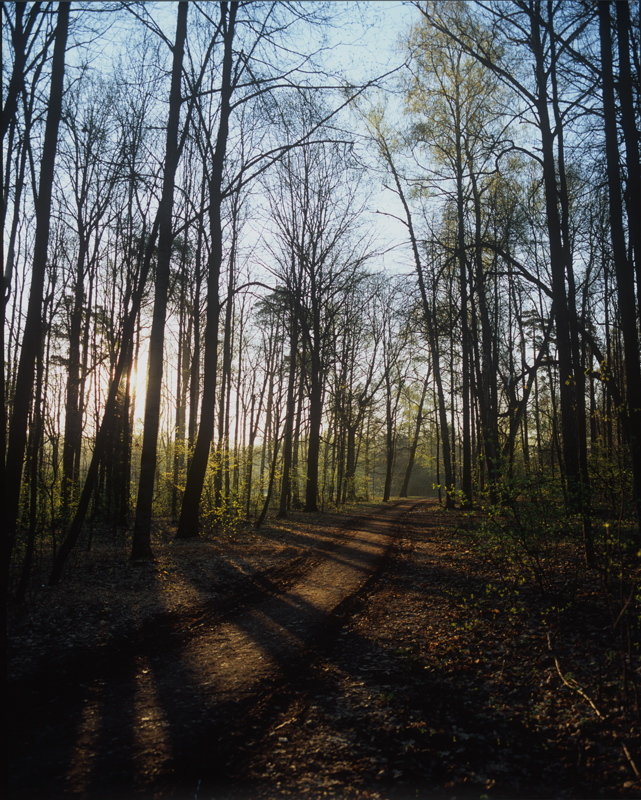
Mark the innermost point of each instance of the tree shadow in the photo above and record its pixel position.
(164, 716)
(107, 719)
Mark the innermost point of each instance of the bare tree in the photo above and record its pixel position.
(427, 300)
(32, 338)
(189, 515)
(623, 265)
(141, 543)
(319, 263)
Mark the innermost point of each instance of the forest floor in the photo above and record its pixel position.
(370, 654)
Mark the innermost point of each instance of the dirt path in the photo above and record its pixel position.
(169, 712)
(382, 660)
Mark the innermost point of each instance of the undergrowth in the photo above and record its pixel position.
(592, 615)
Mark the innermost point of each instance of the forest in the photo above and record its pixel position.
(202, 323)
(264, 259)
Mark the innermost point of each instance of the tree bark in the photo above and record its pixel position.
(31, 343)
(576, 491)
(466, 348)
(190, 510)
(432, 333)
(623, 267)
(141, 542)
(290, 411)
(415, 438)
(630, 138)
(315, 419)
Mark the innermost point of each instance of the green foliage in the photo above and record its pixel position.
(221, 511)
(225, 519)
(533, 544)
(525, 534)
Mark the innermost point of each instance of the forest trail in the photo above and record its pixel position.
(140, 718)
(384, 659)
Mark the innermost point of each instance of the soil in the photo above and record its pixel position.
(365, 654)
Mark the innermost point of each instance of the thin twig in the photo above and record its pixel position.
(626, 605)
(626, 752)
(569, 682)
(286, 722)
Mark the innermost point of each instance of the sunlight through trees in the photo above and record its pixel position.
(241, 279)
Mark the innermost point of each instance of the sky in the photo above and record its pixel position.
(364, 45)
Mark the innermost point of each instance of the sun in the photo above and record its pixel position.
(138, 387)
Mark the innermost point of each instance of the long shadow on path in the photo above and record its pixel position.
(282, 698)
(125, 722)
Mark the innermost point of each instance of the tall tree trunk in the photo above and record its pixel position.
(432, 334)
(221, 473)
(182, 380)
(415, 438)
(486, 371)
(34, 455)
(351, 456)
(466, 348)
(249, 466)
(194, 366)
(290, 411)
(270, 481)
(630, 138)
(313, 447)
(390, 449)
(576, 499)
(295, 488)
(623, 267)
(189, 514)
(8, 265)
(31, 343)
(141, 542)
(584, 503)
(73, 418)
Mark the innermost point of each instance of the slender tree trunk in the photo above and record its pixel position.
(623, 267)
(351, 457)
(141, 542)
(290, 411)
(630, 138)
(189, 514)
(270, 482)
(194, 370)
(221, 473)
(73, 420)
(466, 348)
(390, 449)
(486, 372)
(34, 455)
(295, 488)
(432, 335)
(182, 379)
(313, 448)
(249, 467)
(23, 395)
(567, 385)
(8, 265)
(415, 439)
(584, 500)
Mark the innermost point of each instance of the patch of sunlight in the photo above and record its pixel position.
(152, 749)
(83, 757)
